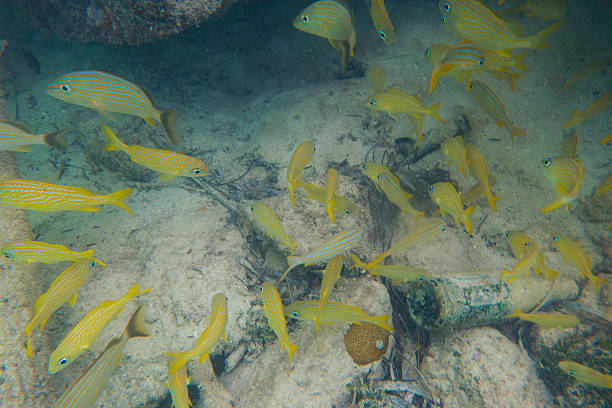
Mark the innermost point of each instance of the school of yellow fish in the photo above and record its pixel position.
(487, 43)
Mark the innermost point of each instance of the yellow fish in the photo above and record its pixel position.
(34, 251)
(170, 164)
(273, 310)
(340, 243)
(598, 65)
(375, 78)
(381, 21)
(473, 21)
(334, 312)
(544, 9)
(209, 337)
(491, 104)
(331, 184)
(372, 170)
(395, 101)
(586, 375)
(397, 273)
(461, 59)
(389, 184)
(605, 186)
(330, 276)
(569, 145)
(573, 253)
(548, 320)
(300, 159)
(39, 196)
(600, 105)
(566, 176)
(177, 383)
(454, 150)
(479, 171)
(528, 261)
(606, 139)
(109, 94)
(16, 137)
(85, 333)
(341, 204)
(63, 289)
(84, 392)
(449, 201)
(519, 243)
(272, 225)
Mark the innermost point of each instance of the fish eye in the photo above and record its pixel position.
(547, 162)
(348, 211)
(92, 263)
(447, 7)
(421, 278)
(382, 34)
(7, 255)
(527, 243)
(572, 372)
(480, 62)
(295, 314)
(252, 208)
(443, 19)
(443, 228)
(427, 52)
(554, 237)
(305, 18)
(364, 166)
(62, 361)
(372, 102)
(431, 189)
(196, 171)
(508, 235)
(65, 88)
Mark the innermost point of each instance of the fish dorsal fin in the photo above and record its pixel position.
(21, 149)
(73, 299)
(147, 92)
(17, 124)
(39, 302)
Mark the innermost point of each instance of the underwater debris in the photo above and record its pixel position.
(366, 342)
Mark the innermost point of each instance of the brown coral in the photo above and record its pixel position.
(366, 342)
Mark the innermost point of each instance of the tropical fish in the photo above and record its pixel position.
(519, 243)
(600, 105)
(528, 261)
(569, 145)
(600, 64)
(375, 78)
(331, 19)
(341, 205)
(209, 337)
(544, 9)
(479, 171)
(548, 320)
(337, 245)
(389, 184)
(573, 254)
(472, 21)
(586, 375)
(461, 59)
(273, 310)
(272, 225)
(454, 150)
(63, 289)
(330, 276)
(381, 21)
(16, 137)
(449, 201)
(490, 103)
(84, 392)
(397, 273)
(395, 101)
(331, 184)
(34, 251)
(372, 170)
(85, 333)
(109, 94)
(177, 383)
(606, 139)
(300, 159)
(605, 186)
(170, 164)
(334, 312)
(39, 196)
(422, 234)
(566, 176)
(493, 62)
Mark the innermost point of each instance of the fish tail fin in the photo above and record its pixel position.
(433, 81)
(519, 62)
(563, 200)
(291, 349)
(55, 139)
(292, 246)
(433, 112)
(358, 263)
(492, 199)
(503, 275)
(418, 215)
(177, 360)
(576, 116)
(290, 189)
(550, 274)
(118, 197)
(112, 141)
(538, 41)
(516, 313)
(516, 132)
(28, 333)
(99, 262)
(597, 282)
(330, 210)
(606, 139)
(137, 326)
(382, 321)
(318, 316)
(466, 217)
(167, 119)
(293, 261)
(133, 292)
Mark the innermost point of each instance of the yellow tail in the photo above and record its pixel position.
(538, 41)
(516, 313)
(55, 139)
(418, 215)
(291, 349)
(167, 119)
(492, 199)
(330, 210)
(519, 62)
(382, 321)
(293, 261)
(118, 197)
(576, 118)
(178, 360)
(358, 263)
(597, 282)
(466, 219)
(516, 132)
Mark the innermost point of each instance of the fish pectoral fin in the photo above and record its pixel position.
(73, 299)
(91, 208)
(203, 357)
(23, 149)
(107, 114)
(166, 176)
(150, 121)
